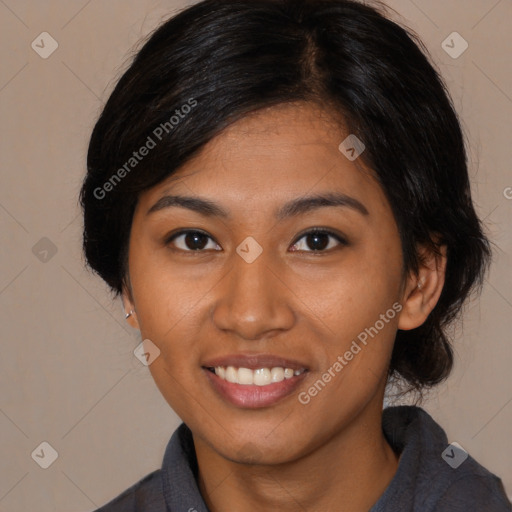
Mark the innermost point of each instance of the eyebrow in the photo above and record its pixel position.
(293, 208)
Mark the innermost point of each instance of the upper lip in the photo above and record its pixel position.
(254, 361)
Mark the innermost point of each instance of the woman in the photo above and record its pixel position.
(242, 135)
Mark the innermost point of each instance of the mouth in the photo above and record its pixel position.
(258, 377)
(254, 381)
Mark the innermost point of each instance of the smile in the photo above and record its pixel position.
(258, 377)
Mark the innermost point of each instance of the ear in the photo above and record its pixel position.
(129, 306)
(422, 291)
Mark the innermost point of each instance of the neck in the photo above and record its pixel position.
(348, 472)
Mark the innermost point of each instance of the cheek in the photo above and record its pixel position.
(354, 297)
(175, 384)
(164, 293)
(361, 311)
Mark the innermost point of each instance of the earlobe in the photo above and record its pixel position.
(130, 313)
(422, 290)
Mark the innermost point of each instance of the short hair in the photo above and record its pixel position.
(225, 59)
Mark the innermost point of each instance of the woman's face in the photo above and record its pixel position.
(253, 290)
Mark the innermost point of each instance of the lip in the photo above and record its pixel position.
(254, 362)
(251, 396)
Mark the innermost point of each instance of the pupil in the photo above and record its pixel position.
(316, 236)
(191, 240)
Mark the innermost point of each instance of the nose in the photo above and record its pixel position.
(253, 301)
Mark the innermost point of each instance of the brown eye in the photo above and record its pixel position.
(190, 240)
(318, 240)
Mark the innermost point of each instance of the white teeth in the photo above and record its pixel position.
(231, 374)
(277, 374)
(288, 373)
(245, 376)
(259, 377)
(262, 377)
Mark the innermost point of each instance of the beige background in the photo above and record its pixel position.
(68, 375)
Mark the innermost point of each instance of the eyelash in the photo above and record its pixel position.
(315, 231)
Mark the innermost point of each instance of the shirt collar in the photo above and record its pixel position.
(408, 429)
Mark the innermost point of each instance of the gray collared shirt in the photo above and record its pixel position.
(426, 480)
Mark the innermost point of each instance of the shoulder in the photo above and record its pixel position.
(172, 483)
(146, 494)
(475, 490)
(434, 475)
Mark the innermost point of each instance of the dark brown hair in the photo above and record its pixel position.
(233, 57)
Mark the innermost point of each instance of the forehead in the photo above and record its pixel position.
(271, 156)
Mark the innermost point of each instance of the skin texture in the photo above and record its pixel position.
(329, 454)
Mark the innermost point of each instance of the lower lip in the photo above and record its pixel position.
(251, 396)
